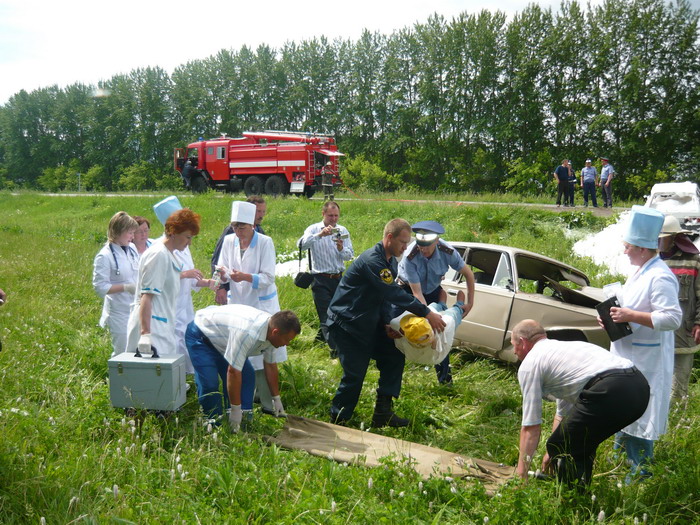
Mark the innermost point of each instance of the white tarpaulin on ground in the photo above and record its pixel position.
(356, 447)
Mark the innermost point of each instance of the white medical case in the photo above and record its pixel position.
(145, 382)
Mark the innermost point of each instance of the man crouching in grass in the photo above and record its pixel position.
(220, 340)
(597, 394)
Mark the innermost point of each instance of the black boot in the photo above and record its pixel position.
(384, 414)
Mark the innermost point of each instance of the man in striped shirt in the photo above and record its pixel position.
(329, 246)
(219, 341)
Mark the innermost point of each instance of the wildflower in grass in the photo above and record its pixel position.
(183, 475)
(42, 520)
(179, 467)
(449, 479)
(215, 437)
(619, 485)
(402, 494)
(333, 506)
(391, 493)
(73, 502)
(636, 520)
(420, 485)
(115, 490)
(486, 519)
(644, 518)
(370, 482)
(119, 451)
(453, 489)
(601, 516)
(593, 498)
(172, 474)
(209, 428)
(143, 448)
(177, 459)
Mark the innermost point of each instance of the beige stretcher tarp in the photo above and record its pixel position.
(353, 446)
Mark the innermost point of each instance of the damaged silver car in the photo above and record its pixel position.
(512, 285)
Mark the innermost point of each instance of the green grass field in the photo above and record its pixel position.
(67, 456)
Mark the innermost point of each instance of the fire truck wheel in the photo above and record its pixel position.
(309, 192)
(199, 185)
(253, 185)
(276, 185)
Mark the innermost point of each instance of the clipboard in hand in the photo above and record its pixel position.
(615, 330)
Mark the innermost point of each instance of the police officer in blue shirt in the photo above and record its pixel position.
(422, 270)
(358, 319)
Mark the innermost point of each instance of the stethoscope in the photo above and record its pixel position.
(132, 253)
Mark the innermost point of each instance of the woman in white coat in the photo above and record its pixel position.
(191, 280)
(115, 270)
(249, 260)
(649, 303)
(153, 316)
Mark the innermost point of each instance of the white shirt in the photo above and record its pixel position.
(236, 331)
(325, 257)
(653, 288)
(561, 369)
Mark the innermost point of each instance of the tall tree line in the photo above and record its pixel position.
(475, 103)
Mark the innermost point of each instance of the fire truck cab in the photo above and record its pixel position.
(270, 162)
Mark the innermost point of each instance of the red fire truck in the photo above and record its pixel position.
(271, 162)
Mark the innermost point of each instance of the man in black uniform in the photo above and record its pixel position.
(357, 326)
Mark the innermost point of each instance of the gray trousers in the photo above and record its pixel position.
(682, 367)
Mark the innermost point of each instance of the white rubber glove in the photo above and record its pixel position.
(130, 288)
(145, 344)
(278, 407)
(234, 418)
(224, 273)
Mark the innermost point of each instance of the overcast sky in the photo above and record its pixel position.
(47, 42)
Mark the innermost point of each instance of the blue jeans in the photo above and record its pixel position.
(210, 367)
(640, 453)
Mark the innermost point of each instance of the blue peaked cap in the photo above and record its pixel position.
(428, 226)
(166, 208)
(644, 227)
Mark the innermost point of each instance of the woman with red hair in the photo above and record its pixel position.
(152, 320)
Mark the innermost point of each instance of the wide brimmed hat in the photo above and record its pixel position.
(644, 227)
(244, 212)
(166, 208)
(671, 226)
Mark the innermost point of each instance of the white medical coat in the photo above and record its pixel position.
(184, 310)
(258, 260)
(653, 288)
(159, 275)
(116, 306)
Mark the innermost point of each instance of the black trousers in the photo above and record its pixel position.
(609, 402)
(354, 355)
(322, 290)
(563, 189)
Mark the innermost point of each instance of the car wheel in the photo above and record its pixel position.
(276, 185)
(253, 185)
(199, 185)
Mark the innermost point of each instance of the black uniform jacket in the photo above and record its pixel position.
(365, 293)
